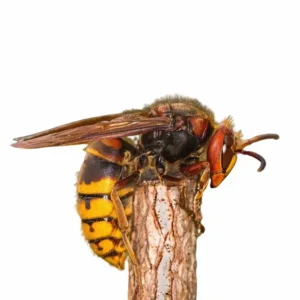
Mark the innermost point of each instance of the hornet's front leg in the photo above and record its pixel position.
(193, 170)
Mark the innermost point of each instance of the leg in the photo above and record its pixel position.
(125, 183)
(192, 170)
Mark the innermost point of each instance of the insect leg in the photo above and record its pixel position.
(125, 183)
(202, 168)
(102, 168)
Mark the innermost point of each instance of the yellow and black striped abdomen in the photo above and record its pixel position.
(99, 220)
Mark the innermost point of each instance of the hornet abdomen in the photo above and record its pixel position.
(101, 169)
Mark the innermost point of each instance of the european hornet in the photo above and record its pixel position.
(178, 138)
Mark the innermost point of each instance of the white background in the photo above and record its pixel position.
(67, 60)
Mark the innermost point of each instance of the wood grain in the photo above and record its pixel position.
(164, 240)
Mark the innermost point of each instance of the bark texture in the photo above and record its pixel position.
(164, 241)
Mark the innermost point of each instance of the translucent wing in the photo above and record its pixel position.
(93, 129)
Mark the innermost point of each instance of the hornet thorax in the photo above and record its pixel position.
(191, 128)
(161, 150)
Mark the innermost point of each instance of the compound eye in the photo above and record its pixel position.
(227, 151)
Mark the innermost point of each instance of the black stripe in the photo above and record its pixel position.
(88, 197)
(112, 253)
(92, 196)
(91, 221)
(95, 169)
(113, 239)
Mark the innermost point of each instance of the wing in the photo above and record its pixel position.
(94, 129)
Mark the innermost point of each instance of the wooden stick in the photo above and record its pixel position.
(163, 237)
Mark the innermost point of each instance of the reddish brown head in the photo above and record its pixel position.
(223, 149)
